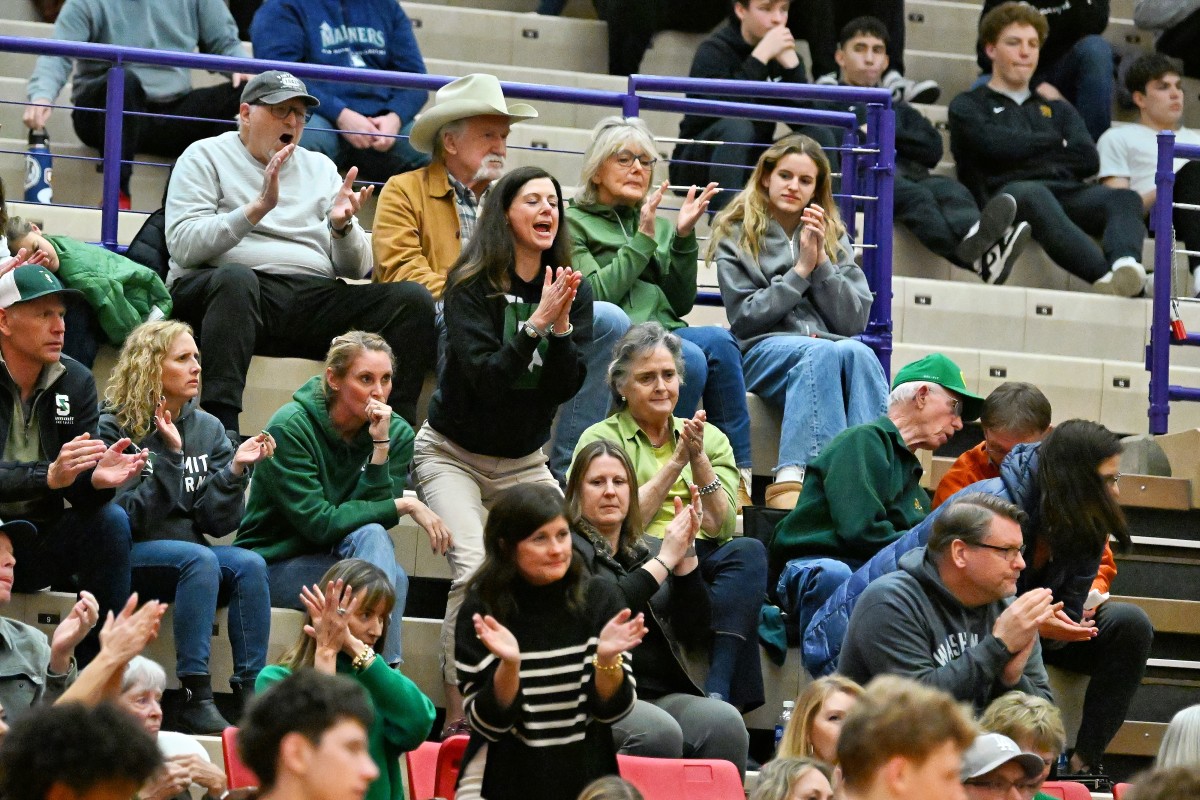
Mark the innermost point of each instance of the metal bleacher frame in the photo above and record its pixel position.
(1158, 353)
(874, 159)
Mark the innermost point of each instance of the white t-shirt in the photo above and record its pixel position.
(1131, 151)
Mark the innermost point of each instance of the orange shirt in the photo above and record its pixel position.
(972, 466)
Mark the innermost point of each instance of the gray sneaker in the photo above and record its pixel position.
(994, 222)
(1127, 278)
(910, 91)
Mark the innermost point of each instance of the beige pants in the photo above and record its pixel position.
(460, 487)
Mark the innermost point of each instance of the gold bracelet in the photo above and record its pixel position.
(363, 659)
(612, 667)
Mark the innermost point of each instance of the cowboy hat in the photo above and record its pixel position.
(470, 96)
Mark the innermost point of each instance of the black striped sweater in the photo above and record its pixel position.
(556, 735)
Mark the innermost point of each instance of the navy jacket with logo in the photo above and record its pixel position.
(65, 409)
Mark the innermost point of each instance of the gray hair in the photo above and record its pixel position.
(142, 673)
(1181, 743)
(454, 127)
(637, 342)
(609, 136)
(969, 519)
(1016, 407)
(905, 392)
(778, 775)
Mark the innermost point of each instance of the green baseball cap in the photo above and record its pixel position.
(936, 368)
(29, 282)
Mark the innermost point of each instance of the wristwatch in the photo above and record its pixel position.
(531, 330)
(341, 233)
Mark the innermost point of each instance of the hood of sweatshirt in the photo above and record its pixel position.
(311, 397)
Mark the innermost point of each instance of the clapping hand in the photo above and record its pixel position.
(347, 202)
(812, 239)
(681, 531)
(649, 211)
(693, 208)
(253, 450)
(621, 634)
(558, 293)
(497, 639)
(693, 434)
(116, 466)
(166, 428)
(24, 256)
(72, 630)
(127, 634)
(1062, 628)
(329, 611)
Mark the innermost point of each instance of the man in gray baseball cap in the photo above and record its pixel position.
(993, 767)
(262, 235)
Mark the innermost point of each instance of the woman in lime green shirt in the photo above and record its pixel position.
(345, 623)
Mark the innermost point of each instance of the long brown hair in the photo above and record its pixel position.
(1078, 513)
(360, 575)
(630, 527)
(752, 207)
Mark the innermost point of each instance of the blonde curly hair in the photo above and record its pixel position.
(136, 381)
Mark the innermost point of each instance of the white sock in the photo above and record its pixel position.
(793, 473)
(747, 475)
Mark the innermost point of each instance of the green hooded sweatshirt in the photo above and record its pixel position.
(318, 487)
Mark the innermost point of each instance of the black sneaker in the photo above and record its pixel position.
(994, 222)
(996, 264)
(910, 91)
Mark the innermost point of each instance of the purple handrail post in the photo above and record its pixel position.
(1158, 353)
(849, 161)
(632, 103)
(113, 120)
(878, 221)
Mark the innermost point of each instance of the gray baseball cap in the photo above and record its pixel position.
(275, 86)
(992, 750)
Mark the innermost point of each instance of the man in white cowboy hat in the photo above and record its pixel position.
(424, 217)
(262, 238)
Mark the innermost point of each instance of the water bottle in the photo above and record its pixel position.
(781, 724)
(38, 168)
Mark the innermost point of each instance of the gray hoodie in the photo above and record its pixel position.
(176, 25)
(908, 623)
(766, 296)
(182, 496)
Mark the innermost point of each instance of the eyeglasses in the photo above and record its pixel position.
(626, 159)
(1111, 480)
(1000, 786)
(956, 404)
(1010, 553)
(283, 112)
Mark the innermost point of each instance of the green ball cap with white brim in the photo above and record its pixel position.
(936, 368)
(29, 282)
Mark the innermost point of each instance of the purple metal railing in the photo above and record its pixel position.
(1158, 353)
(877, 154)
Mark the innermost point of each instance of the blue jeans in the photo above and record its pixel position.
(372, 164)
(82, 549)
(372, 544)
(712, 364)
(198, 579)
(804, 586)
(822, 386)
(736, 575)
(590, 403)
(1084, 75)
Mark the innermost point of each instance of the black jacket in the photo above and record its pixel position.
(725, 55)
(1069, 21)
(995, 141)
(66, 408)
(678, 615)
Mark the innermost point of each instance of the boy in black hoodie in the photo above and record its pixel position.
(1006, 137)
(756, 45)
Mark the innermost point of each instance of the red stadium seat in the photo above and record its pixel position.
(682, 778)
(1067, 790)
(237, 774)
(1120, 789)
(449, 762)
(422, 770)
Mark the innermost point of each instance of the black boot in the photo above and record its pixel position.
(199, 714)
(242, 695)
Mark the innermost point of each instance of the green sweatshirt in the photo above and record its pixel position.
(650, 279)
(318, 487)
(861, 493)
(403, 717)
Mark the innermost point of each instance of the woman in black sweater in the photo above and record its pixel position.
(518, 320)
(541, 658)
(672, 717)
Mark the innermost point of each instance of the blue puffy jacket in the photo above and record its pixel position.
(822, 640)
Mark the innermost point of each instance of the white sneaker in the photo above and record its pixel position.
(1126, 279)
(910, 91)
(997, 262)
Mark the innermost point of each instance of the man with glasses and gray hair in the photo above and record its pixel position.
(263, 238)
(946, 617)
